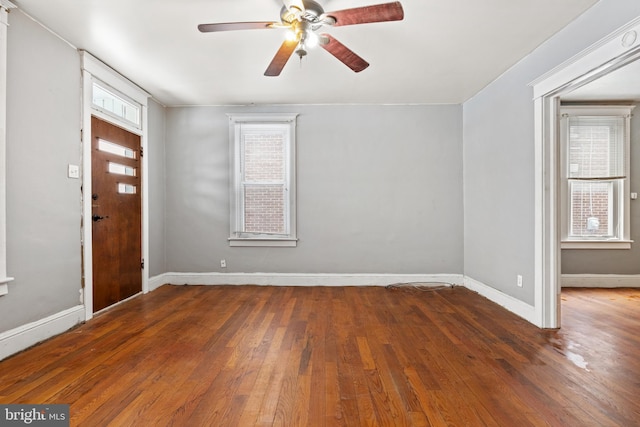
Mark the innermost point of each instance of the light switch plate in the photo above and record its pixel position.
(74, 171)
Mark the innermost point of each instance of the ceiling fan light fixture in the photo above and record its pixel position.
(311, 39)
(291, 35)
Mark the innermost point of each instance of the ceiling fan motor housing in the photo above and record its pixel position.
(312, 13)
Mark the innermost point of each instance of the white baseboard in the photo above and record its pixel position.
(522, 309)
(156, 281)
(299, 279)
(600, 280)
(25, 336)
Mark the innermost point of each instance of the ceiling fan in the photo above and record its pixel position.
(303, 18)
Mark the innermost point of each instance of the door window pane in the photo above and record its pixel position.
(126, 188)
(121, 169)
(118, 150)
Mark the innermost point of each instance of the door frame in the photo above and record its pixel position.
(612, 52)
(94, 70)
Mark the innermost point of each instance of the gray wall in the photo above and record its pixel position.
(585, 261)
(379, 191)
(43, 205)
(156, 186)
(498, 135)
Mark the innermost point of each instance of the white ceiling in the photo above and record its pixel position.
(444, 51)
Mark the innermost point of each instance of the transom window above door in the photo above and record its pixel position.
(110, 102)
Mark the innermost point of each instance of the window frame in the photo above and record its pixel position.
(237, 237)
(621, 193)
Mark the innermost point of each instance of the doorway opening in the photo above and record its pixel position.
(113, 106)
(612, 53)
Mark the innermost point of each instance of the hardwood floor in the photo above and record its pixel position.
(343, 356)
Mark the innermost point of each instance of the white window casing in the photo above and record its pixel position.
(4, 22)
(262, 154)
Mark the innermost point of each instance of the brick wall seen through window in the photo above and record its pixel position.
(264, 183)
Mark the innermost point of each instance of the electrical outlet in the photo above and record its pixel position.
(519, 283)
(223, 263)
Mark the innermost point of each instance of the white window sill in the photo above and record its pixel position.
(287, 243)
(4, 287)
(596, 244)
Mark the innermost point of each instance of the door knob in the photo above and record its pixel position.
(97, 218)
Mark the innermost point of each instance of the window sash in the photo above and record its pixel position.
(263, 157)
(266, 217)
(593, 209)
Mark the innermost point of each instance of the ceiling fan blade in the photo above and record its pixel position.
(233, 26)
(282, 56)
(367, 14)
(343, 53)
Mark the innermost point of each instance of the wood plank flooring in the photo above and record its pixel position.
(338, 356)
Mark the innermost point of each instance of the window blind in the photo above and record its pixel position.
(596, 147)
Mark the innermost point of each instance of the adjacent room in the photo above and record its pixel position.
(331, 212)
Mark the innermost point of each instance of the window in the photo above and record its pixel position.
(595, 171)
(262, 180)
(110, 103)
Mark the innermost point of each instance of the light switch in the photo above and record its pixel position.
(74, 171)
(634, 196)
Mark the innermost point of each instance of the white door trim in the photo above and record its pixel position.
(92, 69)
(612, 52)
(4, 22)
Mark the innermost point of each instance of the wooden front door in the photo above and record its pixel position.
(116, 214)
